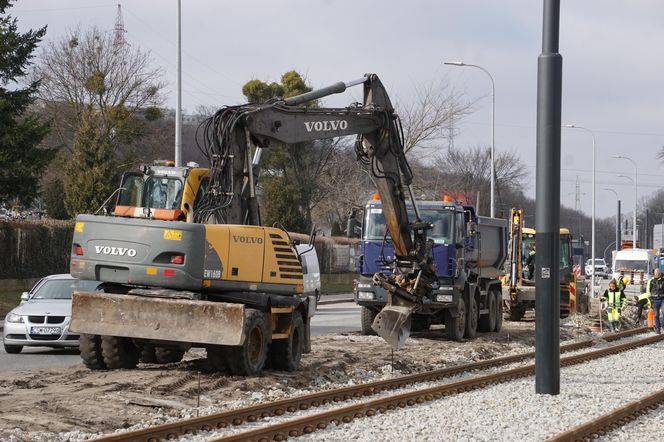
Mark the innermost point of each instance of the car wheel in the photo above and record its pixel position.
(13, 349)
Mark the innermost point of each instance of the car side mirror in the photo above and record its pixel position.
(24, 297)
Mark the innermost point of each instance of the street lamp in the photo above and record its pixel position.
(617, 241)
(592, 273)
(636, 185)
(493, 128)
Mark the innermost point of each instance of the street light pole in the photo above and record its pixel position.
(592, 272)
(617, 217)
(636, 184)
(493, 129)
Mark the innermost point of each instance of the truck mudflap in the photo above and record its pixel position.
(164, 319)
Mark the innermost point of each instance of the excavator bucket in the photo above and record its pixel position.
(392, 324)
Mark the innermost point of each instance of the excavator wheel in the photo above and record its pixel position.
(285, 354)
(498, 295)
(488, 321)
(472, 316)
(455, 327)
(167, 355)
(367, 317)
(119, 352)
(517, 313)
(90, 347)
(420, 323)
(249, 358)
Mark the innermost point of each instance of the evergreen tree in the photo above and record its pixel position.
(22, 161)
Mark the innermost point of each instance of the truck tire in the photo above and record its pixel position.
(420, 323)
(499, 310)
(148, 355)
(367, 317)
(488, 321)
(119, 352)
(168, 355)
(217, 357)
(13, 349)
(90, 347)
(249, 358)
(455, 327)
(285, 354)
(472, 317)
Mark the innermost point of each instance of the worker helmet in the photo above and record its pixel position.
(625, 280)
(613, 283)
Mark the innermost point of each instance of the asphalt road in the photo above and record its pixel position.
(332, 317)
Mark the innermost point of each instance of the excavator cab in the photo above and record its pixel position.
(161, 191)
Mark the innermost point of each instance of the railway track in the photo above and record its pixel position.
(237, 417)
(612, 420)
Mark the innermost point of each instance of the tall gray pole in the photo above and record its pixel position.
(178, 96)
(618, 227)
(547, 210)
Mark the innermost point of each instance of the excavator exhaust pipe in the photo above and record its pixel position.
(392, 324)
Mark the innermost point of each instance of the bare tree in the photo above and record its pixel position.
(84, 69)
(429, 114)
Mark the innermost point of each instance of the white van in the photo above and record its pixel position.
(310, 270)
(637, 265)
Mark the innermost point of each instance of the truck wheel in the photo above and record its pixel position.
(499, 310)
(119, 352)
(488, 321)
(249, 358)
(90, 347)
(420, 323)
(13, 349)
(148, 355)
(367, 317)
(285, 354)
(167, 355)
(217, 357)
(454, 327)
(471, 317)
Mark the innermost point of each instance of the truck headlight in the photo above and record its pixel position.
(13, 317)
(366, 295)
(444, 298)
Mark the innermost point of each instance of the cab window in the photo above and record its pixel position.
(163, 192)
(132, 192)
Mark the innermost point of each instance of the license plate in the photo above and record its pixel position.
(45, 330)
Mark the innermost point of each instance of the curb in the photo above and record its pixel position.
(335, 301)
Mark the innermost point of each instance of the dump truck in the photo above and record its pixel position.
(518, 291)
(468, 252)
(184, 261)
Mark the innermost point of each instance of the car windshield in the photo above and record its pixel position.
(599, 262)
(631, 264)
(374, 224)
(62, 288)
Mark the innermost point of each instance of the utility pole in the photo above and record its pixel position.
(178, 95)
(547, 305)
(119, 38)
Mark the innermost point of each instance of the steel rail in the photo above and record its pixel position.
(309, 424)
(613, 420)
(253, 413)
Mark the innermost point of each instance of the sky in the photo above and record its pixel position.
(611, 49)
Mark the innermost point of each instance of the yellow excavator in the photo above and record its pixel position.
(184, 261)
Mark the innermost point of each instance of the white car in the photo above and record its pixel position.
(42, 318)
(601, 269)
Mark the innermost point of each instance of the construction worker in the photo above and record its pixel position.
(616, 301)
(642, 301)
(530, 262)
(622, 282)
(655, 291)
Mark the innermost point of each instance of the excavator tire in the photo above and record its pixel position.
(148, 355)
(167, 355)
(217, 357)
(119, 352)
(420, 323)
(455, 327)
(285, 354)
(488, 322)
(517, 313)
(249, 358)
(499, 309)
(472, 316)
(90, 347)
(367, 317)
